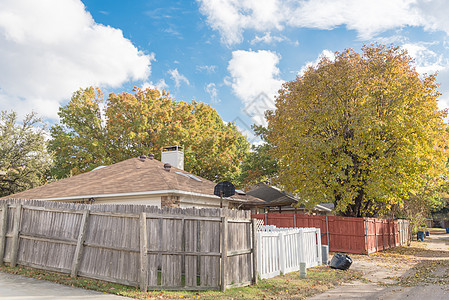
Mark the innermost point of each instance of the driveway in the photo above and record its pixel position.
(15, 287)
(379, 270)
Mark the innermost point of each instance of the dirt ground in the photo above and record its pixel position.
(419, 271)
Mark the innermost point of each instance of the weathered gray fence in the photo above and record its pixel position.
(156, 249)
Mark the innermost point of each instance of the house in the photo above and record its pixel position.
(276, 200)
(142, 180)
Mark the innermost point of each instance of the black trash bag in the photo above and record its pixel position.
(340, 261)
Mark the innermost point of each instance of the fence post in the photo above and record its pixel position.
(224, 251)
(266, 219)
(302, 270)
(15, 237)
(281, 252)
(260, 248)
(301, 246)
(80, 243)
(327, 232)
(375, 233)
(3, 231)
(366, 237)
(294, 219)
(255, 250)
(318, 245)
(143, 253)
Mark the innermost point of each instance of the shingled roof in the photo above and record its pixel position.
(273, 196)
(130, 177)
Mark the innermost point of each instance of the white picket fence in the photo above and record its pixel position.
(281, 250)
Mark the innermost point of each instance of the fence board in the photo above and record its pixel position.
(209, 242)
(80, 244)
(3, 230)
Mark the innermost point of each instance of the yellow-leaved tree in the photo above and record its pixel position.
(362, 131)
(141, 123)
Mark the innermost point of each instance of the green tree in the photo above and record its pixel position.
(362, 131)
(259, 164)
(23, 156)
(80, 142)
(141, 123)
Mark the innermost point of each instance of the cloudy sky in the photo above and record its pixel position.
(231, 54)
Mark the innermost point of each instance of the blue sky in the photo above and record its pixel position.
(233, 55)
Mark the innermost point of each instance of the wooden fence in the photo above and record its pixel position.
(156, 249)
(345, 234)
(282, 250)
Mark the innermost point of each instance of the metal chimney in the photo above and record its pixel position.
(174, 155)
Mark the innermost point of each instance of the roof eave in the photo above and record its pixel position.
(147, 193)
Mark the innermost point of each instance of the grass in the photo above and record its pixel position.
(289, 286)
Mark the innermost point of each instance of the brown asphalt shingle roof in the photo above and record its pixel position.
(134, 175)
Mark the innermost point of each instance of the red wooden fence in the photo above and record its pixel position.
(344, 234)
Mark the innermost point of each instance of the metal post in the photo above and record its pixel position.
(327, 231)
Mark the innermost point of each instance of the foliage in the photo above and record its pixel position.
(362, 131)
(142, 123)
(417, 208)
(23, 157)
(259, 165)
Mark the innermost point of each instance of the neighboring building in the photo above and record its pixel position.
(142, 180)
(276, 200)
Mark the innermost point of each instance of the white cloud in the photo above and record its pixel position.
(211, 89)
(325, 53)
(178, 77)
(430, 59)
(160, 85)
(255, 80)
(208, 69)
(426, 60)
(267, 38)
(232, 17)
(49, 49)
(443, 78)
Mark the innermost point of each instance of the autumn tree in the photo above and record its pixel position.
(23, 156)
(141, 123)
(362, 131)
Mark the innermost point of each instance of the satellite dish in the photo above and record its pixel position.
(224, 189)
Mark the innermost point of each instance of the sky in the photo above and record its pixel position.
(231, 54)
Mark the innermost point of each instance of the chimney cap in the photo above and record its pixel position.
(167, 167)
(151, 156)
(172, 148)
